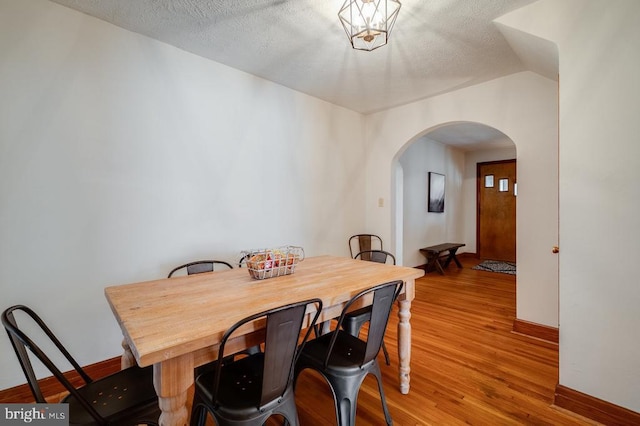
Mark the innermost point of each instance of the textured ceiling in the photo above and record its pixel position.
(435, 47)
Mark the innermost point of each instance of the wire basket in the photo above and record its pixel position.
(272, 262)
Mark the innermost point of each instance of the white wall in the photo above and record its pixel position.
(599, 48)
(422, 228)
(121, 157)
(522, 106)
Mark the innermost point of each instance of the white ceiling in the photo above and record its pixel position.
(436, 45)
(470, 136)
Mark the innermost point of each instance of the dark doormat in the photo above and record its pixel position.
(496, 266)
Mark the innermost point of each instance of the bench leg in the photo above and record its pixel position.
(433, 262)
(438, 265)
(452, 256)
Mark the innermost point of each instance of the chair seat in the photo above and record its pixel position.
(126, 397)
(355, 319)
(362, 312)
(344, 360)
(241, 381)
(246, 391)
(348, 351)
(353, 322)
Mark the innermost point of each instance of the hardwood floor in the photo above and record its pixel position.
(467, 366)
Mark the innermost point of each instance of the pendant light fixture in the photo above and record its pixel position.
(368, 23)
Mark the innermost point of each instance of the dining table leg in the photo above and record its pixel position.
(404, 344)
(172, 379)
(127, 360)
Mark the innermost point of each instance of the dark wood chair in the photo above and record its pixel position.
(123, 398)
(345, 360)
(251, 389)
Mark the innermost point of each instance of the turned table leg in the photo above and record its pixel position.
(404, 344)
(172, 379)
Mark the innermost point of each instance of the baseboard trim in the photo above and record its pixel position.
(539, 331)
(51, 387)
(594, 408)
(467, 254)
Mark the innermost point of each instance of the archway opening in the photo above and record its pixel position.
(452, 150)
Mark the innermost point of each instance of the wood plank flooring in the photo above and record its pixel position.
(467, 366)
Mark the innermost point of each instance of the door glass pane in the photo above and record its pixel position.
(503, 185)
(488, 181)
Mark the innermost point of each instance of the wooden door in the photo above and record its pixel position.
(497, 210)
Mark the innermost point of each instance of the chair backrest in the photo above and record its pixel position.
(243, 260)
(281, 347)
(200, 266)
(364, 242)
(379, 256)
(383, 297)
(23, 345)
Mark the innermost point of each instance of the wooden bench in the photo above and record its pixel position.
(433, 253)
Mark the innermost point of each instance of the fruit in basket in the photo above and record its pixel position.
(257, 261)
(273, 262)
(291, 259)
(266, 260)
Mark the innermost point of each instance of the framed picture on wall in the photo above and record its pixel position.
(435, 201)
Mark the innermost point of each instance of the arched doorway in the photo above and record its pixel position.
(453, 150)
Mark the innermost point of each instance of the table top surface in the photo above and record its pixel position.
(166, 318)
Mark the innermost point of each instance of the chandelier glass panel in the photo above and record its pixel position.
(368, 23)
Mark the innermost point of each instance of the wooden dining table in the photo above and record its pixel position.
(175, 324)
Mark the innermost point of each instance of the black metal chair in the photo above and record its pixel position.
(379, 256)
(354, 320)
(345, 360)
(357, 243)
(364, 242)
(200, 266)
(243, 260)
(251, 389)
(123, 398)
